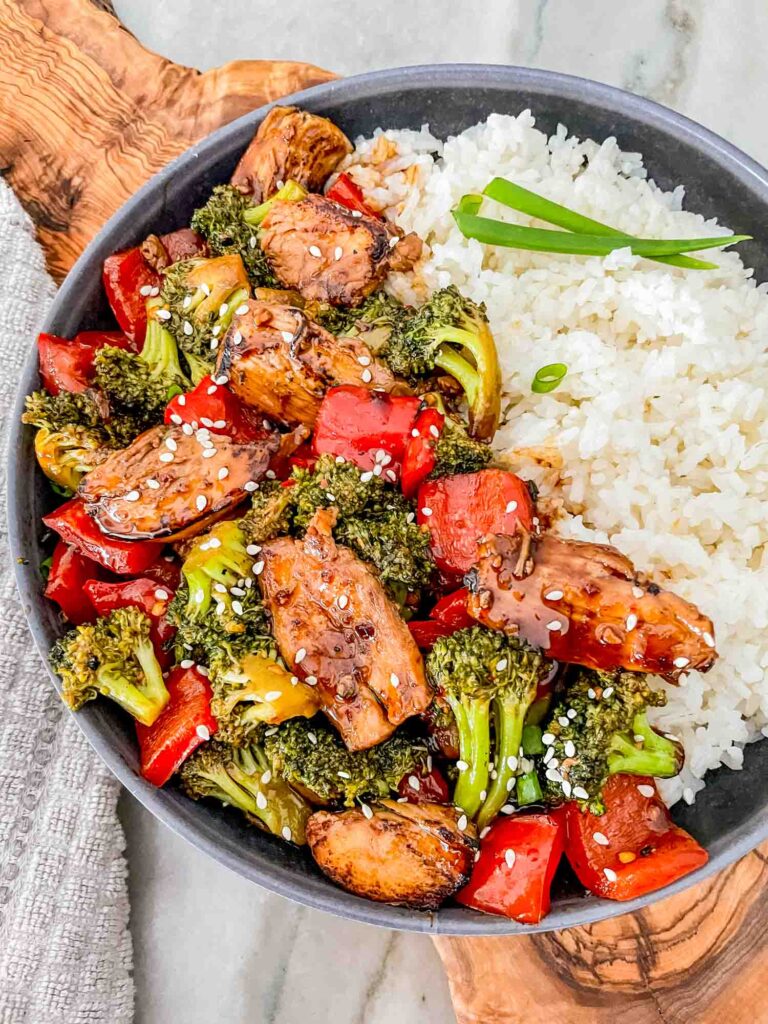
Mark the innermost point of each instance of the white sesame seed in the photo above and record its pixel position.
(507, 809)
(270, 474)
(223, 308)
(343, 775)
(206, 422)
(161, 595)
(462, 766)
(258, 568)
(203, 732)
(250, 485)
(200, 502)
(391, 475)
(410, 517)
(300, 655)
(426, 511)
(364, 360)
(223, 473)
(187, 302)
(591, 693)
(554, 595)
(175, 418)
(462, 823)
(338, 252)
(601, 839)
(253, 549)
(547, 739)
(312, 738)
(638, 738)
(261, 801)
(607, 692)
(145, 289)
(237, 591)
(414, 783)
(510, 785)
(394, 679)
(566, 789)
(553, 775)
(208, 453)
(511, 507)
(237, 608)
(205, 290)
(188, 429)
(570, 749)
(377, 469)
(631, 622)
(170, 444)
(367, 812)
(637, 592)
(646, 791)
(219, 424)
(309, 680)
(202, 670)
(570, 713)
(273, 695)
(132, 496)
(163, 314)
(580, 793)
(187, 328)
(434, 431)
(253, 241)
(563, 720)
(509, 857)
(155, 291)
(315, 251)
(223, 379)
(214, 344)
(366, 376)
(415, 433)
(199, 596)
(152, 484)
(554, 626)
(681, 662)
(365, 477)
(220, 608)
(512, 763)
(357, 214)
(610, 874)
(549, 753)
(709, 640)
(187, 663)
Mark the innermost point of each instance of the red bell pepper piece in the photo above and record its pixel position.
(68, 365)
(424, 787)
(302, 458)
(184, 723)
(357, 424)
(214, 406)
(419, 459)
(69, 574)
(518, 860)
(346, 192)
(166, 571)
(426, 634)
(125, 557)
(148, 595)
(126, 273)
(460, 510)
(451, 610)
(634, 847)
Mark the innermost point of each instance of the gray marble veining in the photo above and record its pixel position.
(209, 946)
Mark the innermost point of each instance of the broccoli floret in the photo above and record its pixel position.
(222, 224)
(200, 297)
(437, 336)
(243, 779)
(309, 755)
(374, 520)
(479, 671)
(600, 728)
(374, 320)
(112, 656)
(87, 410)
(457, 452)
(67, 454)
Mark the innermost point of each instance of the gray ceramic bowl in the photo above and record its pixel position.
(731, 816)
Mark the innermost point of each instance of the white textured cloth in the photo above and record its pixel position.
(65, 948)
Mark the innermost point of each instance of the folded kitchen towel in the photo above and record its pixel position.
(65, 948)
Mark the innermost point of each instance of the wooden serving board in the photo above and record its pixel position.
(88, 116)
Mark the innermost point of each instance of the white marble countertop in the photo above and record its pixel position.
(210, 946)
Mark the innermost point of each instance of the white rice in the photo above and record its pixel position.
(660, 421)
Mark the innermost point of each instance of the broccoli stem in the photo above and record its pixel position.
(160, 352)
(290, 192)
(473, 722)
(143, 702)
(509, 718)
(457, 366)
(653, 755)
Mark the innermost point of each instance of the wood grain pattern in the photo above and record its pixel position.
(695, 958)
(89, 114)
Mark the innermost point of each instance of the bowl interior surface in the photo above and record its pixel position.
(731, 815)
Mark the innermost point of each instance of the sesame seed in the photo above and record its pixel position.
(509, 857)
(250, 485)
(426, 511)
(208, 453)
(270, 732)
(434, 431)
(220, 608)
(357, 214)
(187, 302)
(300, 655)
(343, 775)
(549, 753)
(199, 596)
(161, 595)
(253, 241)
(510, 784)
(511, 506)
(214, 344)
(394, 679)
(547, 739)
(601, 839)
(553, 775)
(570, 713)
(591, 693)
(377, 470)
(261, 801)
(132, 496)
(206, 422)
(415, 433)
(145, 289)
(366, 376)
(638, 738)
(181, 399)
(365, 477)
(462, 766)
(484, 832)
(681, 662)
(212, 389)
(410, 517)
(223, 308)
(580, 793)
(273, 695)
(175, 418)
(607, 692)
(314, 250)
(462, 823)
(554, 595)
(237, 608)
(253, 549)
(170, 444)
(566, 788)
(187, 328)
(219, 424)
(414, 783)
(338, 252)
(163, 314)
(203, 732)
(187, 663)
(646, 791)
(570, 749)
(270, 474)
(610, 874)
(237, 338)
(637, 592)
(205, 290)
(223, 379)
(391, 475)
(188, 429)
(200, 502)
(258, 568)
(367, 812)
(312, 738)
(223, 473)
(155, 291)
(563, 721)
(364, 360)
(237, 591)
(554, 626)
(709, 640)
(309, 680)
(202, 670)
(512, 763)
(631, 622)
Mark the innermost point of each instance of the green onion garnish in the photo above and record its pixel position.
(548, 377)
(521, 199)
(528, 789)
(531, 741)
(513, 236)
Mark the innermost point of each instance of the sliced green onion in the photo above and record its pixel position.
(531, 741)
(521, 199)
(64, 492)
(470, 203)
(548, 377)
(528, 789)
(513, 236)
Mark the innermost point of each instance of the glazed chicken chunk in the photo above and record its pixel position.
(281, 362)
(164, 486)
(290, 144)
(585, 603)
(414, 855)
(331, 254)
(335, 626)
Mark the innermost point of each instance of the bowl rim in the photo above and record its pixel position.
(307, 890)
